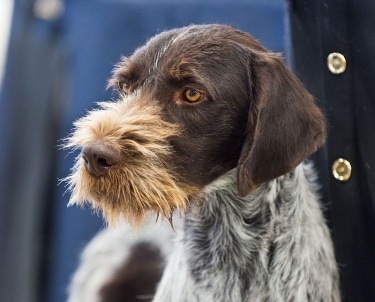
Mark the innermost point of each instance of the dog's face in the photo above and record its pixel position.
(193, 103)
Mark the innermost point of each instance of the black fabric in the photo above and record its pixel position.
(319, 28)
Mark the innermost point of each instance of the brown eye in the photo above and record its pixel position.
(125, 87)
(192, 96)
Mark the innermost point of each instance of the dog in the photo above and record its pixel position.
(211, 126)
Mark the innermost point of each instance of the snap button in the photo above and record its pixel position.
(341, 169)
(336, 63)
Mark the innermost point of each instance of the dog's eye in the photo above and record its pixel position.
(192, 96)
(125, 87)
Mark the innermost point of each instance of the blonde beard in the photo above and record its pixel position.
(142, 181)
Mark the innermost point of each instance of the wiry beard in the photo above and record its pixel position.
(142, 181)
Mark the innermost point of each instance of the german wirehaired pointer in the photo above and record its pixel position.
(210, 124)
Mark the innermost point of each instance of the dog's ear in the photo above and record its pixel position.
(284, 124)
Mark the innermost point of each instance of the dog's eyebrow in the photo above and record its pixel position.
(124, 71)
(183, 70)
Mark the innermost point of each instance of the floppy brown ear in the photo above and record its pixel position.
(284, 124)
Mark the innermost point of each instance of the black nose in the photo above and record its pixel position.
(99, 158)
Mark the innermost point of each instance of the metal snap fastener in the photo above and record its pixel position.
(336, 63)
(341, 169)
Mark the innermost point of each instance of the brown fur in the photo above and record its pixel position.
(281, 104)
(254, 115)
(142, 182)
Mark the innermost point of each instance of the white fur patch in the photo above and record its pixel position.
(108, 251)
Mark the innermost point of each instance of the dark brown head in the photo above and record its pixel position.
(230, 102)
(237, 103)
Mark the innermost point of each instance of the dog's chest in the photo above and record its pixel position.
(227, 243)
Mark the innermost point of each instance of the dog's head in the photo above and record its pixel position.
(194, 103)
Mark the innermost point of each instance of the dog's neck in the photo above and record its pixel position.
(243, 233)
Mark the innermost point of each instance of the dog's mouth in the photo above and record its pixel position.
(128, 192)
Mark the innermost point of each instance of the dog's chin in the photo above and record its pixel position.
(129, 194)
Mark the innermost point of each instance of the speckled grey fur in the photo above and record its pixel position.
(273, 245)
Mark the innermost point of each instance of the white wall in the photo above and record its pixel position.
(6, 9)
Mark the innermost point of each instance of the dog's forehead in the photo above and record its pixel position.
(194, 52)
(193, 36)
(199, 42)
